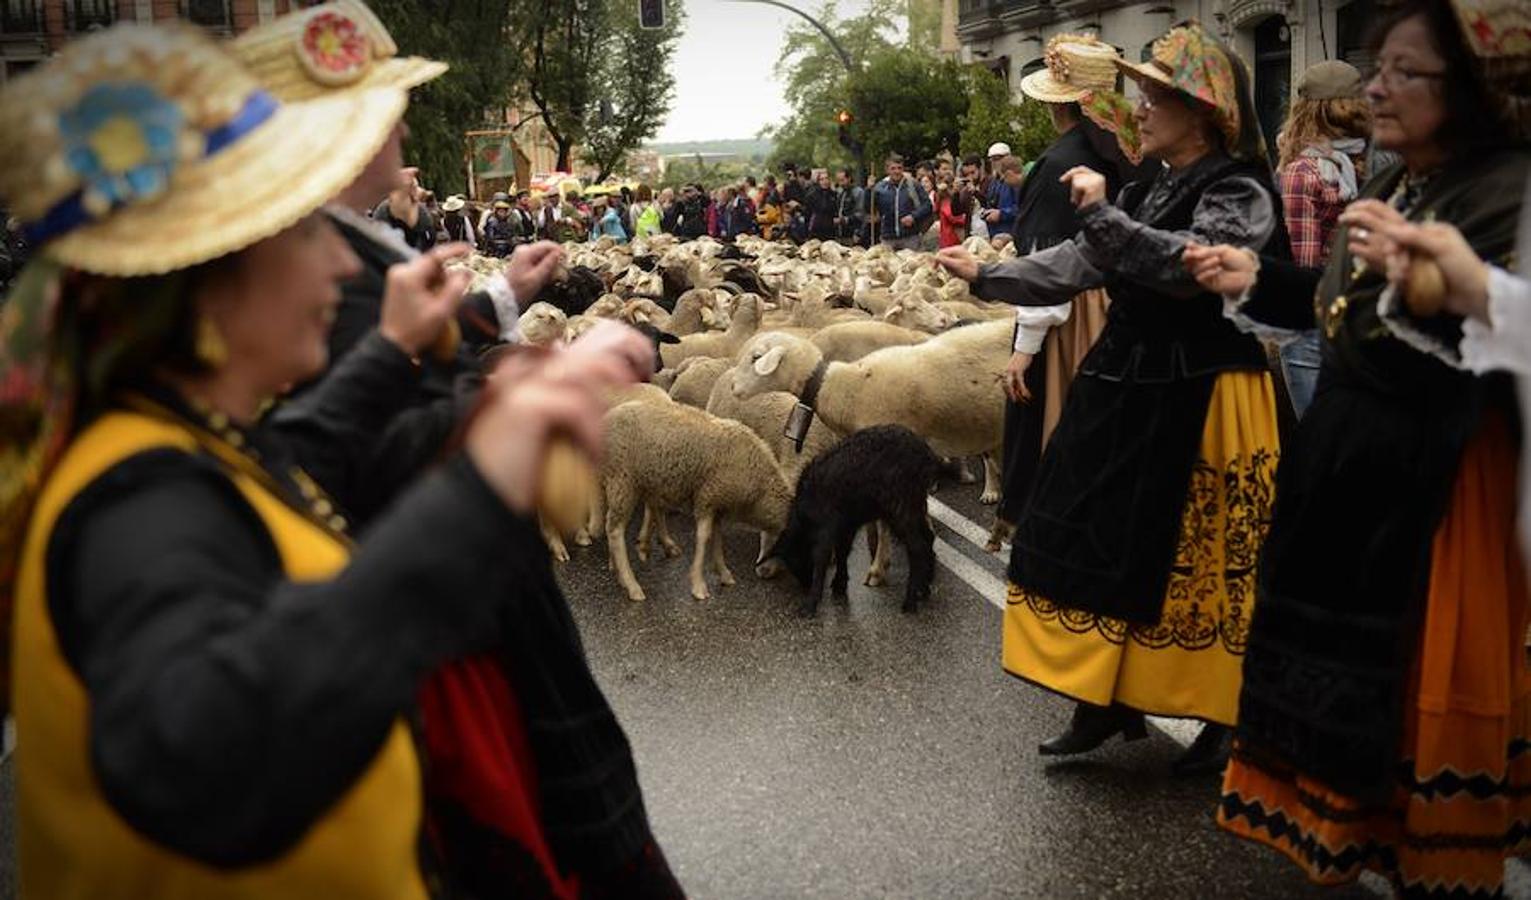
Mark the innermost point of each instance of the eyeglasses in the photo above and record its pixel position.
(1150, 100)
(1394, 77)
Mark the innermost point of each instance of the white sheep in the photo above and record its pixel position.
(745, 323)
(914, 310)
(677, 457)
(652, 523)
(849, 341)
(948, 389)
(542, 324)
(694, 379)
(607, 306)
(965, 311)
(766, 415)
(696, 311)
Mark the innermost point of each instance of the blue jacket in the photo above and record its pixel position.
(609, 225)
(895, 202)
(1007, 200)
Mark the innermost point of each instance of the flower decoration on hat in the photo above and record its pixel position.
(334, 49)
(1057, 63)
(1495, 28)
(122, 140)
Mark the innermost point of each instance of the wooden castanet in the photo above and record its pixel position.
(1425, 292)
(566, 488)
(567, 484)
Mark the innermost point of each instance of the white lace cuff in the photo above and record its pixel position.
(506, 309)
(1397, 320)
(1233, 311)
(1504, 342)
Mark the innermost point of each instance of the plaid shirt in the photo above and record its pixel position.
(1312, 208)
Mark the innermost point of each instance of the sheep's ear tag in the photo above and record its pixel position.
(798, 423)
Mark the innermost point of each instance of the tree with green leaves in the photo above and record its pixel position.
(634, 87)
(471, 95)
(814, 79)
(907, 103)
(903, 98)
(596, 78)
(993, 115)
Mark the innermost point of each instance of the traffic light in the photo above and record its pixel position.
(843, 120)
(650, 13)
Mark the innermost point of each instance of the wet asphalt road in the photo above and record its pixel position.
(866, 753)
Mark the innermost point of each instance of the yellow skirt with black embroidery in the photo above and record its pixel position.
(1189, 664)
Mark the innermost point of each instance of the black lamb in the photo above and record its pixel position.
(575, 293)
(877, 474)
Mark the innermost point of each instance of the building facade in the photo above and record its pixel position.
(1277, 39)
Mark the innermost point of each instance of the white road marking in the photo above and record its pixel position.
(992, 589)
(959, 523)
(987, 586)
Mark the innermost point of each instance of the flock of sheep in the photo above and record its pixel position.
(740, 331)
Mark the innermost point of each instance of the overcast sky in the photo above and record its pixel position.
(723, 61)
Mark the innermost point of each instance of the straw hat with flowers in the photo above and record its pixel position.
(145, 149)
(341, 45)
(1077, 64)
(141, 150)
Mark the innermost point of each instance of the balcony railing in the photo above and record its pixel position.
(215, 14)
(88, 15)
(985, 18)
(21, 17)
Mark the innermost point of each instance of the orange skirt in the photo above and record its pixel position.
(1463, 802)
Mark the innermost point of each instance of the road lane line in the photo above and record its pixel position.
(974, 575)
(959, 523)
(1181, 731)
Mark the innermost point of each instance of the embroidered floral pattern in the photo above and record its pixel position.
(122, 140)
(1211, 592)
(334, 49)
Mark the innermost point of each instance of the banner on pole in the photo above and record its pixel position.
(493, 154)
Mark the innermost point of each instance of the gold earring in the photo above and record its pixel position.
(210, 349)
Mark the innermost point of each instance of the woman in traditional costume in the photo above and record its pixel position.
(1386, 708)
(1095, 130)
(213, 681)
(1132, 569)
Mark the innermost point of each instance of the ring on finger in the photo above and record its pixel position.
(1362, 234)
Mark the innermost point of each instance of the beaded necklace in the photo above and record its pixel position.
(220, 437)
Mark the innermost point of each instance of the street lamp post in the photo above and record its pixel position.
(845, 58)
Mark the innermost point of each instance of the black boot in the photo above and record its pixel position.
(1208, 754)
(1093, 726)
